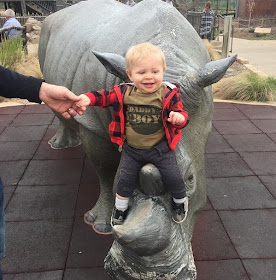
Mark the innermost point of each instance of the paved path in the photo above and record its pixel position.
(260, 53)
(48, 191)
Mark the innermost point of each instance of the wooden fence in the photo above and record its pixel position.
(255, 22)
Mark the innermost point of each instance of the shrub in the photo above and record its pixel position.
(11, 52)
(247, 86)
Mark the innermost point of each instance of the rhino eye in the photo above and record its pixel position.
(191, 178)
(190, 185)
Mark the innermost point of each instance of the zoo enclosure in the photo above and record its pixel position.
(255, 22)
(195, 19)
(23, 19)
(39, 7)
(221, 7)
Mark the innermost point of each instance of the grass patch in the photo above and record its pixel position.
(247, 86)
(11, 52)
(265, 37)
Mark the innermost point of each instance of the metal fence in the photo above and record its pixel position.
(4, 36)
(194, 19)
(22, 19)
(224, 7)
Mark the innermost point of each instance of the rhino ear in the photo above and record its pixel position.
(114, 64)
(193, 83)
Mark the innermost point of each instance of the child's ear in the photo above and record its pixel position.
(128, 74)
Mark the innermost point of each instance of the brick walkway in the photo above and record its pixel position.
(48, 191)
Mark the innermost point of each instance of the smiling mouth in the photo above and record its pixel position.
(148, 84)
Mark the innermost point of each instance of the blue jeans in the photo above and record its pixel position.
(2, 227)
(207, 36)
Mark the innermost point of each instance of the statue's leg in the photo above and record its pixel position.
(66, 135)
(105, 158)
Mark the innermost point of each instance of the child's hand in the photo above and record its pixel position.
(176, 118)
(83, 103)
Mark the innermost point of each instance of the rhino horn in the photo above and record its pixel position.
(114, 64)
(214, 71)
(193, 82)
(149, 214)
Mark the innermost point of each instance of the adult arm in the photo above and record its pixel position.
(58, 98)
(15, 85)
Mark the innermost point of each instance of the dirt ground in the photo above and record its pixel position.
(244, 33)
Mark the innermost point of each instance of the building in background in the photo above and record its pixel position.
(262, 8)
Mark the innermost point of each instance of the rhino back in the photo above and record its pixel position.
(69, 36)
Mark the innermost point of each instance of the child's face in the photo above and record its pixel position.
(147, 74)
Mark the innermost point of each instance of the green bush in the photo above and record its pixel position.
(11, 52)
(247, 87)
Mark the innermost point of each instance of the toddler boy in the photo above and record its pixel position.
(149, 115)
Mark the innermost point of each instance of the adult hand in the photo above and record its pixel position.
(60, 99)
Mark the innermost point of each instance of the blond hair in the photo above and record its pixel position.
(141, 51)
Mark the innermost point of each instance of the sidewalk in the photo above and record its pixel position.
(260, 53)
(48, 191)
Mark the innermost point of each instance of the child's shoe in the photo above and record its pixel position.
(118, 217)
(180, 211)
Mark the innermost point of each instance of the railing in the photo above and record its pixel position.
(22, 19)
(47, 7)
(19, 28)
(194, 19)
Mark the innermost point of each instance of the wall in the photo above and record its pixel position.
(262, 8)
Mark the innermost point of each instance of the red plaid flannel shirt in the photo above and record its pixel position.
(114, 98)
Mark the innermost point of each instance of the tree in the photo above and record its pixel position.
(250, 7)
(217, 5)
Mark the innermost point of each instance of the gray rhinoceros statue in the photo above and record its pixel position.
(82, 47)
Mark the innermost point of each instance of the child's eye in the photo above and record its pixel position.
(155, 71)
(141, 72)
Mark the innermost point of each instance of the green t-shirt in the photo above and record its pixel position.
(143, 125)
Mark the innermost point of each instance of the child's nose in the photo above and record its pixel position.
(148, 75)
